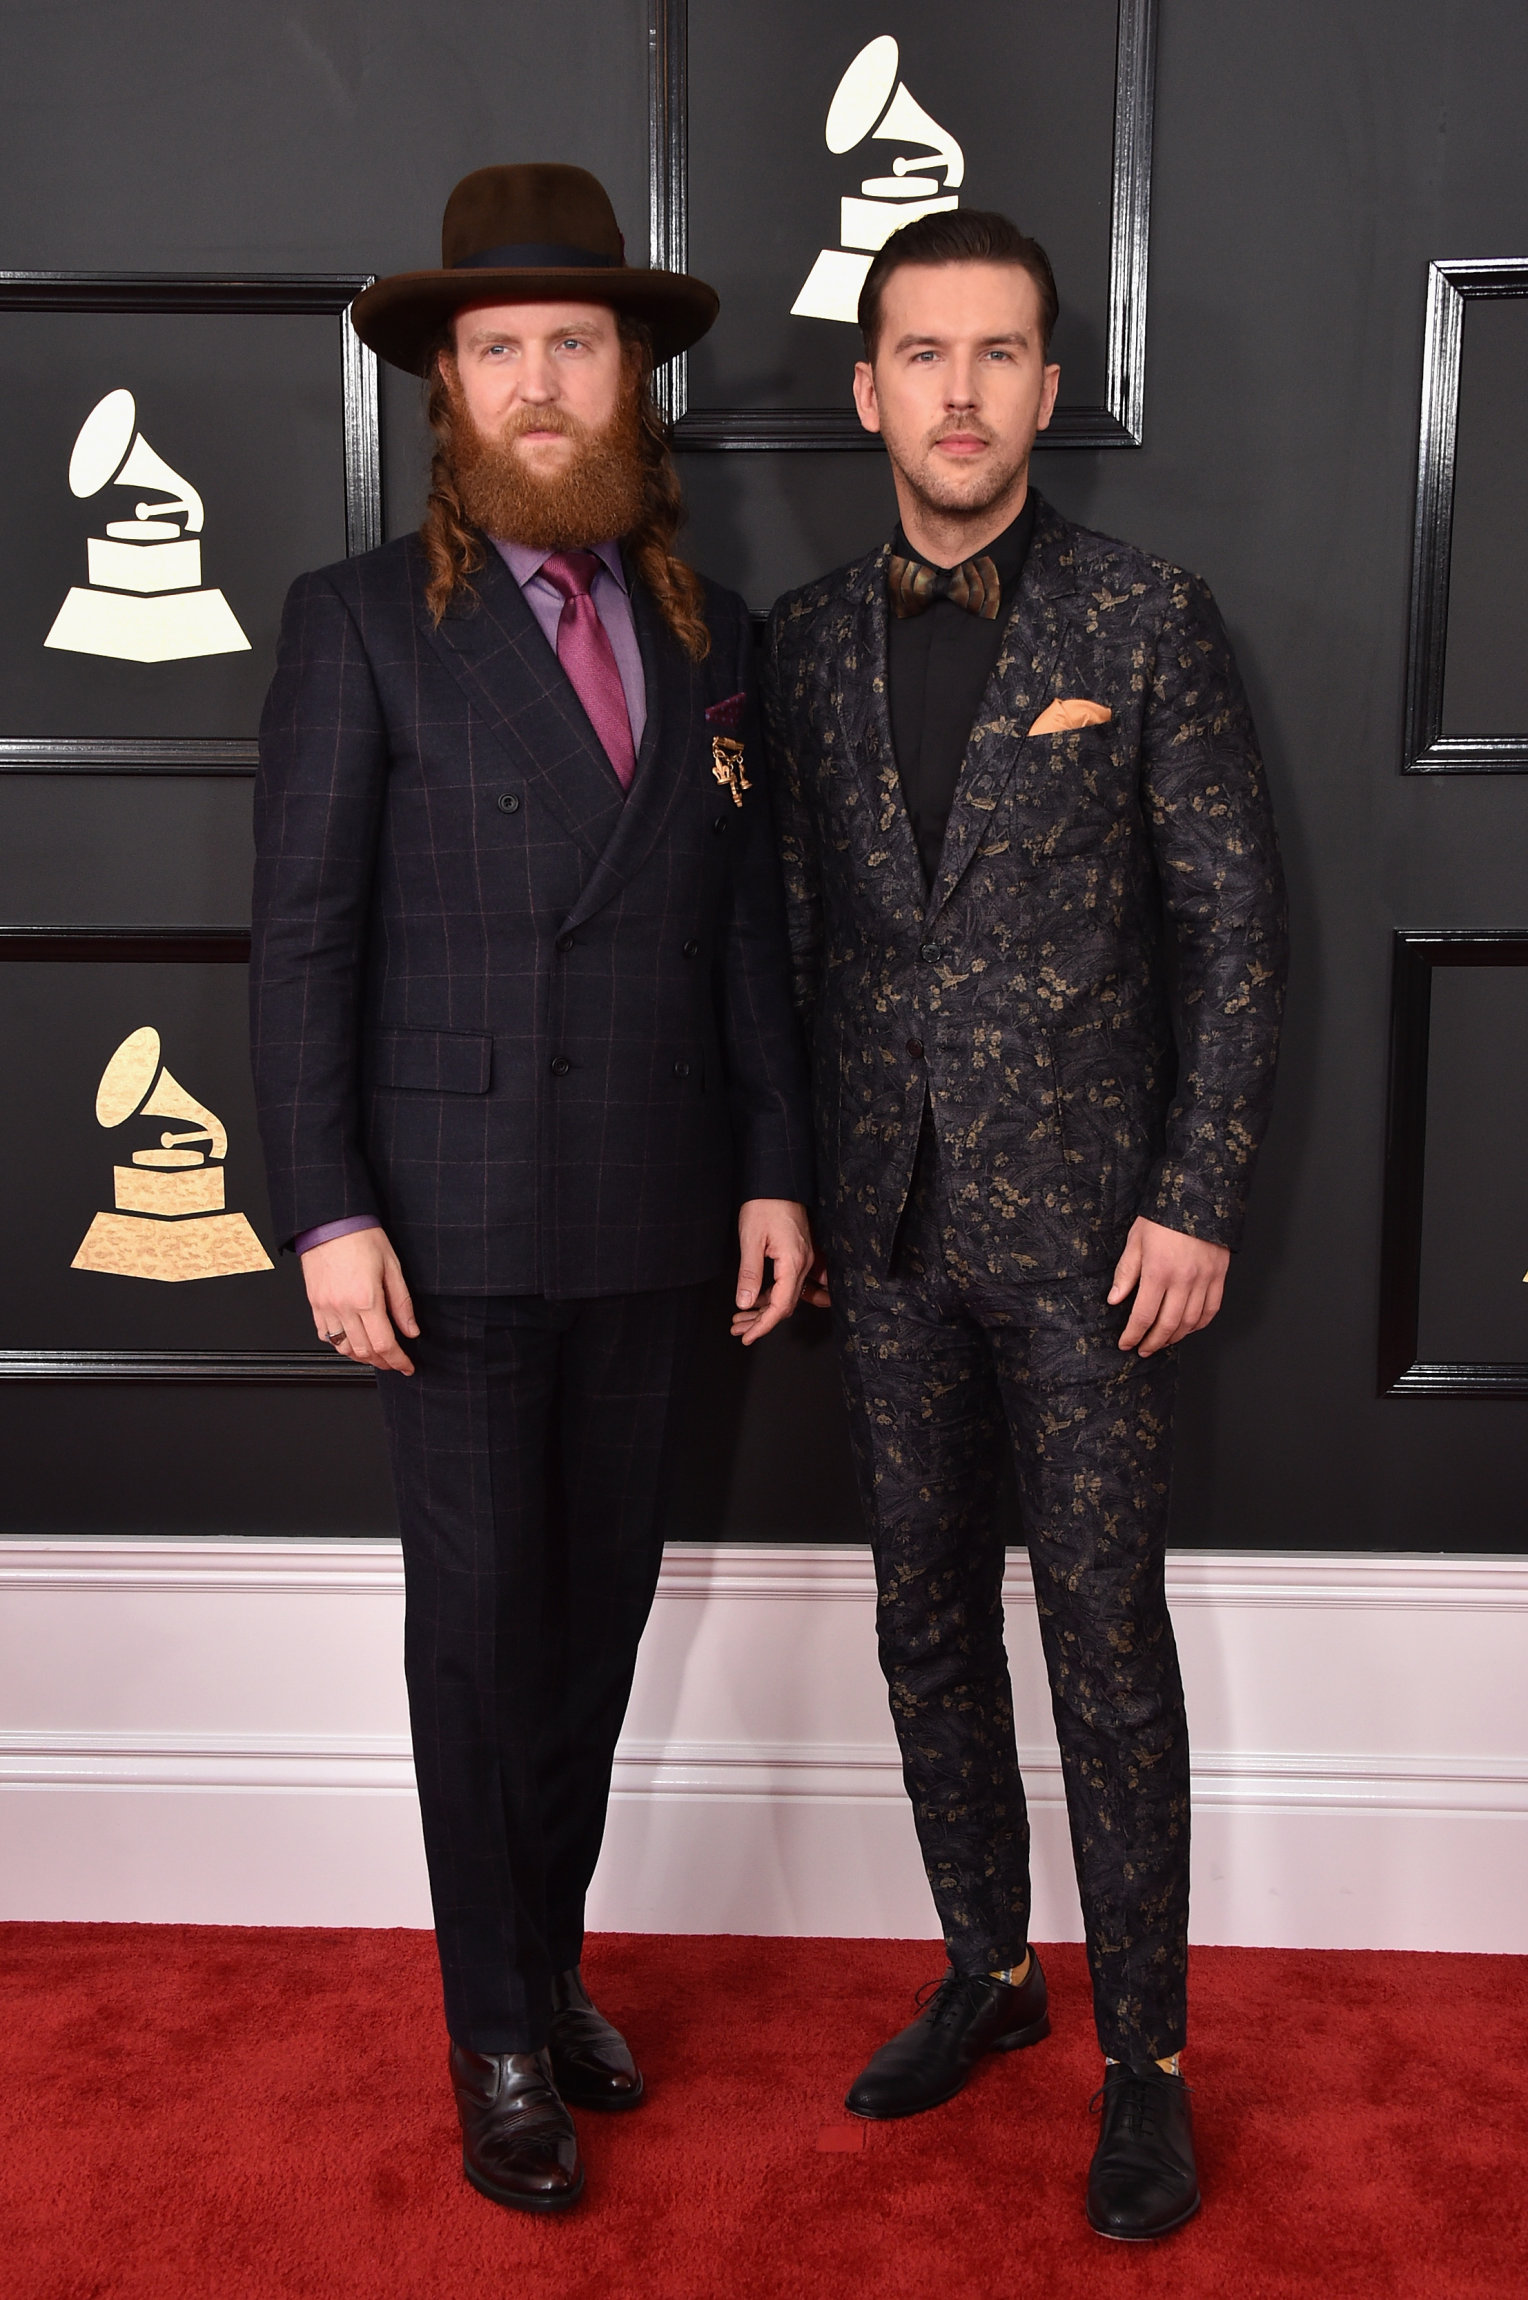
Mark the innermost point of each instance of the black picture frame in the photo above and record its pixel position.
(1402, 1373)
(187, 292)
(1117, 423)
(1451, 286)
(124, 945)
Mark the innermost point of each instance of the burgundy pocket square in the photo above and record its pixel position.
(728, 713)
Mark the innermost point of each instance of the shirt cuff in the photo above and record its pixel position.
(327, 1230)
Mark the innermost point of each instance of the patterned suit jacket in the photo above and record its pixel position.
(1089, 999)
(541, 1030)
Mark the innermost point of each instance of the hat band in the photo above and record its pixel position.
(537, 255)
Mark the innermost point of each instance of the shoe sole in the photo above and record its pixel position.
(604, 2100)
(518, 2203)
(1015, 2042)
(1147, 2235)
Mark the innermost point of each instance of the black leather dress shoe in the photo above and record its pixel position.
(518, 2142)
(591, 2061)
(1143, 2180)
(965, 2017)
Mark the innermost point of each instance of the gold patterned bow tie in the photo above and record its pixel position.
(913, 585)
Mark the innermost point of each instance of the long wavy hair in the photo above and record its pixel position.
(454, 547)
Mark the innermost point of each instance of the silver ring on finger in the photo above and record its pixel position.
(339, 1337)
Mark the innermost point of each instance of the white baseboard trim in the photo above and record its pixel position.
(367, 1765)
(170, 1749)
(1320, 1579)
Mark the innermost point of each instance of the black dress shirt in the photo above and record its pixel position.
(937, 665)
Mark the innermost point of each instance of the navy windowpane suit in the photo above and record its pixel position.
(542, 1030)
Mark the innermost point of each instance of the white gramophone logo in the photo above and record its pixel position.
(169, 1221)
(871, 103)
(145, 603)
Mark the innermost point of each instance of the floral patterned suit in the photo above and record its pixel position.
(1077, 1024)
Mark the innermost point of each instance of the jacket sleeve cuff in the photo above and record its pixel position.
(784, 1172)
(1178, 1200)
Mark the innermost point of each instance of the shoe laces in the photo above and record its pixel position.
(951, 1997)
(1141, 2101)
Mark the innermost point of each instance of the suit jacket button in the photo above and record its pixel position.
(692, 948)
(681, 1070)
(564, 943)
(509, 803)
(915, 1049)
(560, 1066)
(930, 952)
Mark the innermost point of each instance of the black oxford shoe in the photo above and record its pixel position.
(966, 2016)
(518, 2142)
(591, 2061)
(1143, 2180)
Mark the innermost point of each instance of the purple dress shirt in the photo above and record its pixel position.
(612, 603)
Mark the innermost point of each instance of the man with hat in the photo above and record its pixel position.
(526, 1062)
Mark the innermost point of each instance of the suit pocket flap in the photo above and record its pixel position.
(433, 1061)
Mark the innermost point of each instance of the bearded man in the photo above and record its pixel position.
(1037, 920)
(526, 1061)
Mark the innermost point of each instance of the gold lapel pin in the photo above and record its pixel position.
(727, 766)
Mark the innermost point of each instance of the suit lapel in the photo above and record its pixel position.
(497, 651)
(1018, 690)
(860, 694)
(663, 758)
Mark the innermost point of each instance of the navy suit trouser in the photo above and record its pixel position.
(944, 1367)
(530, 1450)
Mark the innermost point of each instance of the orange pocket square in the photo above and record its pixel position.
(1069, 711)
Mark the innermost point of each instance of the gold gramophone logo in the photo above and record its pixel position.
(871, 103)
(144, 602)
(169, 1221)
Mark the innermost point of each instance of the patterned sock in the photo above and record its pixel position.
(1014, 1975)
(1169, 2067)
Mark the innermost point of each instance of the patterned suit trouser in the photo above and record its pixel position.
(530, 1450)
(941, 1365)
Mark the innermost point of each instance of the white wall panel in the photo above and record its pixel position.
(216, 1732)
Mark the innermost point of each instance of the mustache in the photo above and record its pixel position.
(520, 420)
(966, 427)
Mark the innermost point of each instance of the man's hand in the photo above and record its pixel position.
(1178, 1283)
(814, 1291)
(353, 1282)
(774, 1230)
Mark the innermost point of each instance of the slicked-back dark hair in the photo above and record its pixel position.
(958, 236)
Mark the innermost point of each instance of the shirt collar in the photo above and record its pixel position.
(1007, 551)
(525, 562)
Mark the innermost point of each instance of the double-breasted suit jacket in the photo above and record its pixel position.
(538, 1027)
(1089, 998)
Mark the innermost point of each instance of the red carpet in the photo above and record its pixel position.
(193, 2113)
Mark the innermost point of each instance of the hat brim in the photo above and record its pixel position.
(400, 318)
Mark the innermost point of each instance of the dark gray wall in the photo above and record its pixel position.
(1310, 158)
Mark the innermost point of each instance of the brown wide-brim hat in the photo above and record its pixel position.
(526, 235)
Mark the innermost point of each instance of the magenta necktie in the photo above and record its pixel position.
(585, 653)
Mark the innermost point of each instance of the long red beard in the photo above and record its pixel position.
(596, 498)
